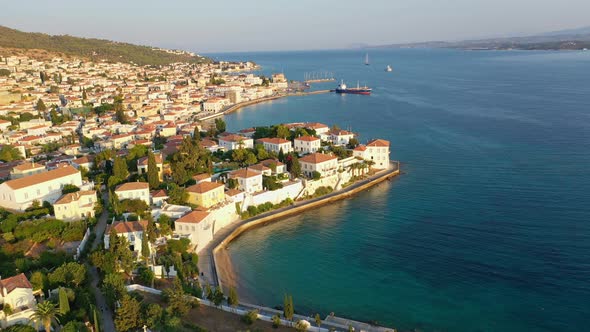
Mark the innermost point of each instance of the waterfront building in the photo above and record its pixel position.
(307, 144)
(134, 190)
(276, 144)
(249, 180)
(232, 142)
(19, 194)
(197, 225)
(206, 193)
(325, 164)
(75, 206)
(376, 151)
(339, 137)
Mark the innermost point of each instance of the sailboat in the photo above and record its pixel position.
(367, 59)
(388, 68)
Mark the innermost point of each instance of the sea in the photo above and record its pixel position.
(488, 226)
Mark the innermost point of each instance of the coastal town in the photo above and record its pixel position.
(115, 175)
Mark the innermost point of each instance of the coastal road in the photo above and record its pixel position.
(101, 303)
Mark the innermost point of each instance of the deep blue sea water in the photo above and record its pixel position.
(488, 229)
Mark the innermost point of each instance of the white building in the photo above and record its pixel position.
(214, 105)
(325, 164)
(197, 224)
(339, 137)
(276, 144)
(249, 180)
(131, 230)
(307, 144)
(75, 206)
(376, 150)
(17, 292)
(233, 142)
(134, 190)
(19, 194)
(26, 169)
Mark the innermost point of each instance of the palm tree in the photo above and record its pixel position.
(46, 313)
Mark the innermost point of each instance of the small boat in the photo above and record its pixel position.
(367, 59)
(359, 90)
(388, 68)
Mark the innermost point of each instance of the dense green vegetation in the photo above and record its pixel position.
(95, 49)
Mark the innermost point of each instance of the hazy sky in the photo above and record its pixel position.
(231, 25)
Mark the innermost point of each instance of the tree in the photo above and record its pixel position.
(276, 321)
(120, 115)
(46, 314)
(316, 175)
(293, 165)
(164, 222)
(318, 321)
(353, 143)
(95, 319)
(120, 170)
(9, 153)
(84, 95)
(288, 309)
(281, 155)
(4, 72)
(64, 303)
(218, 296)
(282, 132)
(39, 280)
(220, 125)
(113, 287)
(70, 274)
(250, 158)
(178, 304)
(145, 248)
(301, 326)
(250, 317)
(69, 188)
(152, 315)
(152, 172)
(41, 106)
(232, 297)
(128, 314)
(177, 194)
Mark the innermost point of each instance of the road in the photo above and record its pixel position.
(107, 323)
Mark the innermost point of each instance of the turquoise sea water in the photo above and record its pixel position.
(488, 229)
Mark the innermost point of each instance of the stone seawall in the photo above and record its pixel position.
(298, 207)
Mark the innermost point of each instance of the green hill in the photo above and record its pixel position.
(95, 49)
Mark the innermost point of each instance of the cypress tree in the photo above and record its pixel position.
(64, 303)
(153, 176)
(145, 247)
(95, 317)
(120, 168)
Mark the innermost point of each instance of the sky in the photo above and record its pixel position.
(262, 25)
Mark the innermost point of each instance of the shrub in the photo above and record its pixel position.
(276, 321)
(250, 317)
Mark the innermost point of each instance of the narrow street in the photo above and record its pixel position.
(107, 323)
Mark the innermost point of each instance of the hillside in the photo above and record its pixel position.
(572, 39)
(90, 48)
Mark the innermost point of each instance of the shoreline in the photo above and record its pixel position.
(240, 105)
(215, 259)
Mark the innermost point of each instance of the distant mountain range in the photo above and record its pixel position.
(571, 39)
(94, 49)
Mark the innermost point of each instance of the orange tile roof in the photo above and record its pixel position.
(275, 140)
(378, 142)
(202, 176)
(27, 166)
(204, 187)
(193, 217)
(243, 173)
(317, 158)
(34, 179)
(12, 283)
(233, 192)
(128, 226)
(307, 139)
(132, 186)
(68, 198)
(360, 148)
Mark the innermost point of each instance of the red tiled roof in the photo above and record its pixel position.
(317, 158)
(243, 173)
(128, 226)
(12, 283)
(307, 139)
(204, 187)
(378, 142)
(41, 177)
(275, 140)
(193, 217)
(132, 186)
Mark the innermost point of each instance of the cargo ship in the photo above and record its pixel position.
(359, 90)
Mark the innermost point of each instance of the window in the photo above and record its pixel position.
(38, 192)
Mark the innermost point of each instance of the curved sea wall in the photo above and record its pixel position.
(290, 211)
